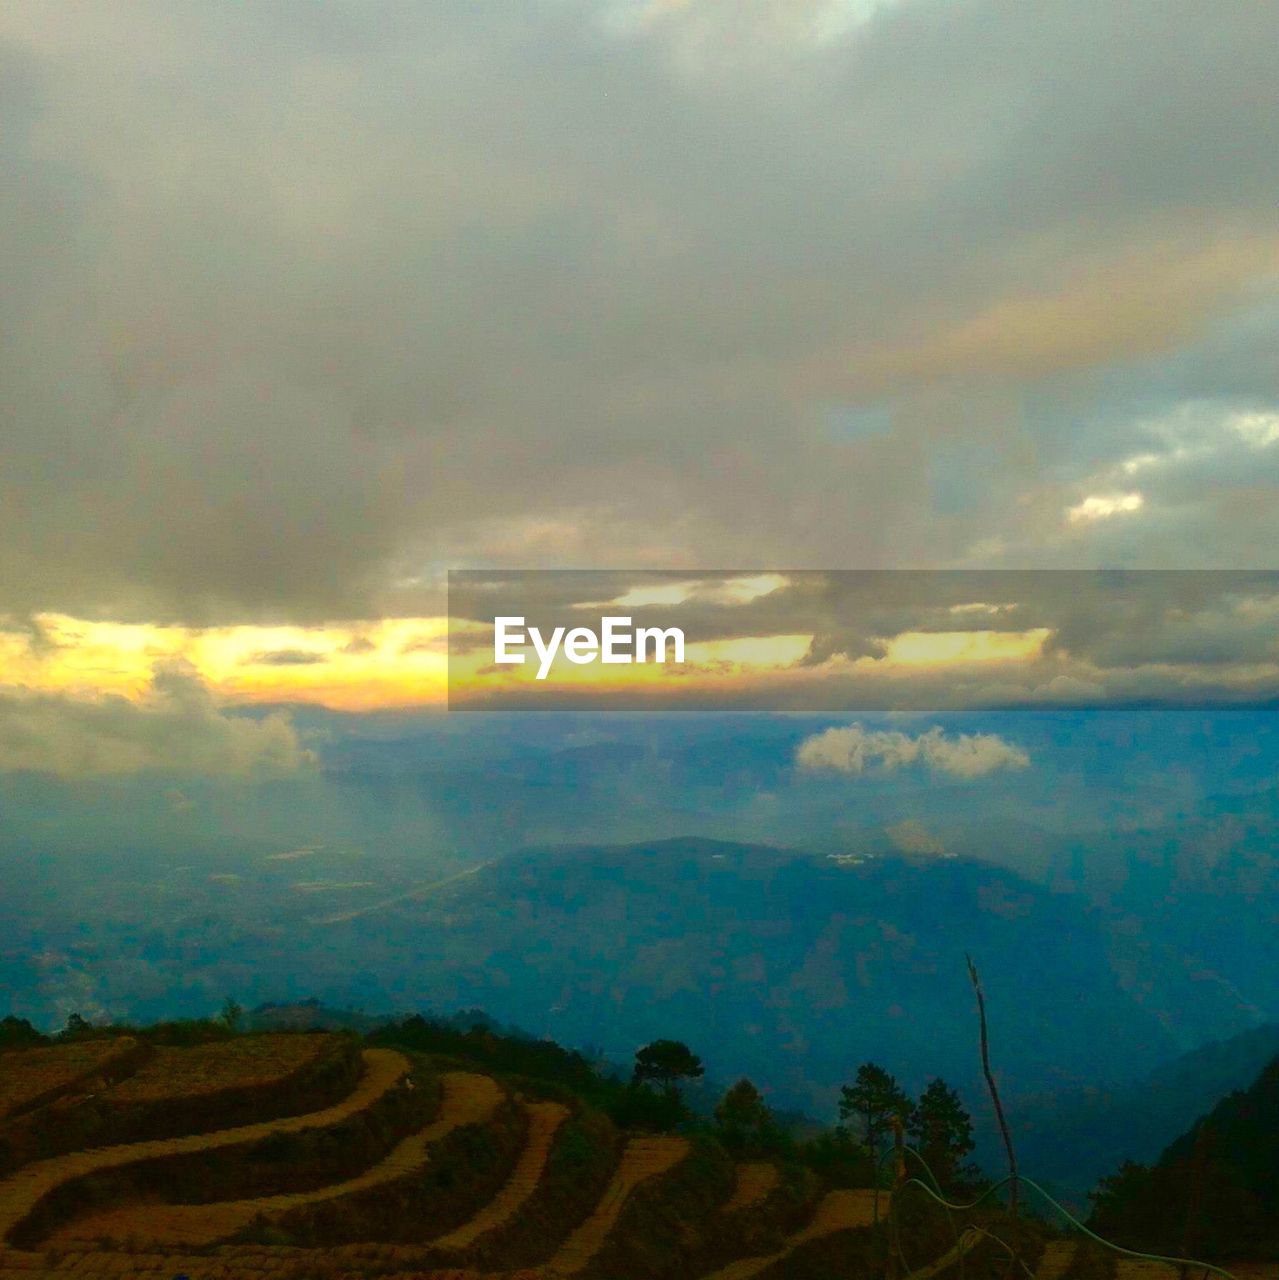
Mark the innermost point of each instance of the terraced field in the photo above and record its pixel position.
(246, 1062)
(643, 1158)
(22, 1191)
(468, 1099)
(118, 1211)
(838, 1211)
(647, 1158)
(31, 1078)
(756, 1181)
(544, 1119)
(198, 1239)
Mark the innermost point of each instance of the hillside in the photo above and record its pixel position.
(1073, 1138)
(790, 967)
(423, 1151)
(1217, 1184)
(117, 903)
(441, 1151)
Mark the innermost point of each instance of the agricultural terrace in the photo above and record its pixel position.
(242, 1063)
(32, 1077)
(461, 1155)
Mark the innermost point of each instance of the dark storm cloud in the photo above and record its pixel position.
(303, 302)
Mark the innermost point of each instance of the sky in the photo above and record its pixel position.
(303, 305)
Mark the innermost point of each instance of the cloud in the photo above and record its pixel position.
(176, 728)
(854, 749)
(291, 855)
(1101, 506)
(925, 640)
(303, 310)
(292, 657)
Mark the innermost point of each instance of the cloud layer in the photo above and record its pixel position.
(304, 302)
(862, 641)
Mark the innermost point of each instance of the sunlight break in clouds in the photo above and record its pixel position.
(854, 748)
(359, 664)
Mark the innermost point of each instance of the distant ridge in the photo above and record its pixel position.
(1075, 1137)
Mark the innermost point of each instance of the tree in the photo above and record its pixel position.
(1202, 1199)
(745, 1123)
(78, 1028)
(665, 1063)
(841, 1160)
(232, 1014)
(640, 1107)
(1133, 1207)
(872, 1100)
(942, 1131)
(18, 1033)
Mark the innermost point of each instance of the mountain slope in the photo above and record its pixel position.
(1216, 1188)
(790, 967)
(1075, 1137)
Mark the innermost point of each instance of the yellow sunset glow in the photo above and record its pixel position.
(752, 651)
(391, 662)
(403, 662)
(942, 648)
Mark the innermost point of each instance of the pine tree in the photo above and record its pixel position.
(942, 1132)
(666, 1063)
(745, 1123)
(872, 1100)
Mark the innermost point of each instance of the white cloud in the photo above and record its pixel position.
(854, 748)
(177, 728)
(1101, 506)
(1260, 430)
